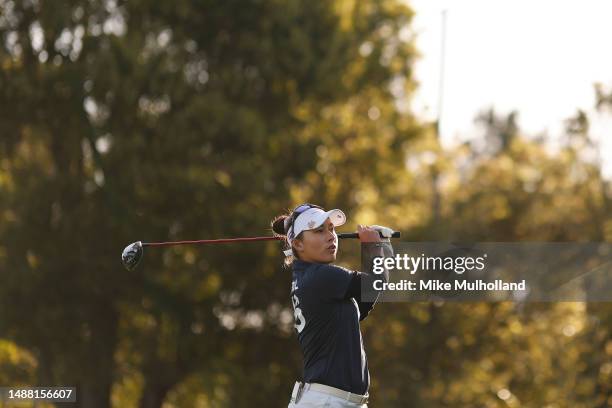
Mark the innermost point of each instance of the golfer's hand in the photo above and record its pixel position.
(385, 232)
(368, 234)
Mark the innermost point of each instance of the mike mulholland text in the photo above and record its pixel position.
(437, 285)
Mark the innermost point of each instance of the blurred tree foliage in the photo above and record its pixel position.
(151, 120)
(154, 121)
(503, 186)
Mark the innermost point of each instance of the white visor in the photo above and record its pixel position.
(312, 219)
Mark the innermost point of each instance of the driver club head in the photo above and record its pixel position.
(131, 255)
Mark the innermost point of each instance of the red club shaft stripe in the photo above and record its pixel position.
(212, 241)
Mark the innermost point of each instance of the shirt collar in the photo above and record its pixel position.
(299, 264)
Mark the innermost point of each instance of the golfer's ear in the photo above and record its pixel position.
(298, 245)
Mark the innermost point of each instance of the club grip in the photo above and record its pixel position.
(396, 234)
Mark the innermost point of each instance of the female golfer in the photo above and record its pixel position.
(328, 307)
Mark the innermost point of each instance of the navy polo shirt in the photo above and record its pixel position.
(327, 325)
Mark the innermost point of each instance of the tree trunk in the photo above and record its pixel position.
(95, 376)
(153, 395)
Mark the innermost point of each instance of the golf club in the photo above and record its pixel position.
(132, 254)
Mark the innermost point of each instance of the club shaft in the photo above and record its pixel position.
(244, 239)
(396, 234)
(211, 241)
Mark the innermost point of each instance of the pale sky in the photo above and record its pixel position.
(539, 57)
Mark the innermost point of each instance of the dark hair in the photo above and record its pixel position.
(278, 228)
(278, 224)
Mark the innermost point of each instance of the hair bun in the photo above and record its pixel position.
(278, 225)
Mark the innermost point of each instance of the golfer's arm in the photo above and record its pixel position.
(369, 252)
(372, 251)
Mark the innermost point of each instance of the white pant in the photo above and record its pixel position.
(315, 399)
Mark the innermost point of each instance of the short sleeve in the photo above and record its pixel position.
(331, 282)
(354, 291)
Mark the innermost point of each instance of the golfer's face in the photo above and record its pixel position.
(321, 244)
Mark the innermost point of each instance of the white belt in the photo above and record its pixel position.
(300, 387)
